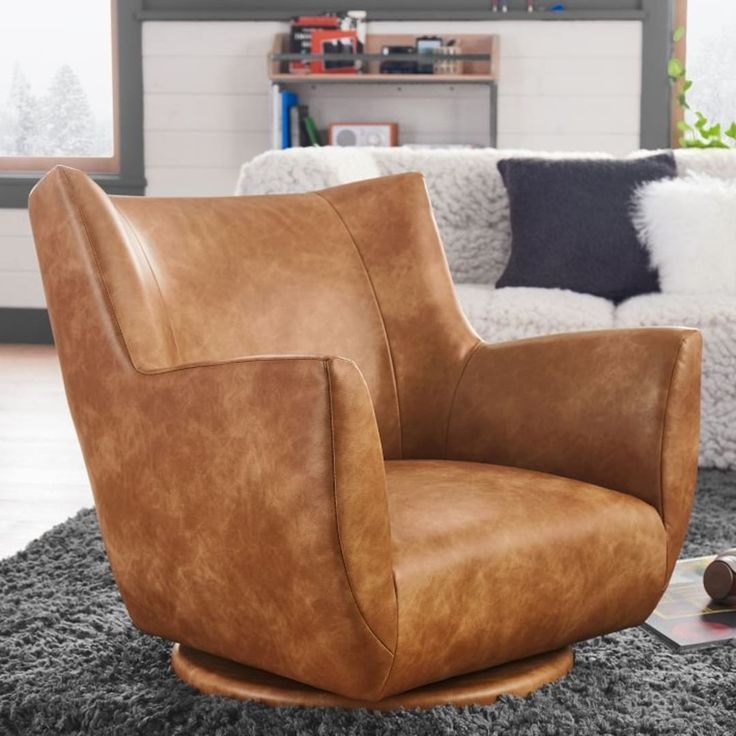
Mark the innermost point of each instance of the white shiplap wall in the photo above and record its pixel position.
(563, 86)
(20, 282)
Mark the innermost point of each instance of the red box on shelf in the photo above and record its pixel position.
(300, 37)
(334, 42)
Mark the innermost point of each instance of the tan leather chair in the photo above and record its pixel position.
(306, 465)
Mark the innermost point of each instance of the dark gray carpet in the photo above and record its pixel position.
(72, 663)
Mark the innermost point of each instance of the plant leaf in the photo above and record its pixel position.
(682, 125)
(682, 102)
(679, 34)
(675, 69)
(731, 131)
(687, 85)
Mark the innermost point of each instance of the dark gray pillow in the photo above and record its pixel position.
(571, 226)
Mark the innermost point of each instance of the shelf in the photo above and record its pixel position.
(479, 55)
(426, 56)
(382, 78)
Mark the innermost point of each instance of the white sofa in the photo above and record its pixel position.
(471, 208)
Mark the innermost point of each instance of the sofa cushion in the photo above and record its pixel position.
(688, 225)
(715, 317)
(718, 162)
(514, 313)
(570, 224)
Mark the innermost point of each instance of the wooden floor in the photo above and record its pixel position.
(42, 475)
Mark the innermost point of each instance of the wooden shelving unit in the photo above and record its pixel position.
(382, 78)
(479, 55)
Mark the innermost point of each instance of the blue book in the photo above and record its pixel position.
(288, 100)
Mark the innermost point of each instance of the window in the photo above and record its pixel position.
(58, 86)
(71, 92)
(711, 59)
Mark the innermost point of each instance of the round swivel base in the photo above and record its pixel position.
(216, 676)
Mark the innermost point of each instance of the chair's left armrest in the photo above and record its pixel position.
(244, 510)
(616, 408)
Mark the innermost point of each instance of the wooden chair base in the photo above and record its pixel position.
(216, 676)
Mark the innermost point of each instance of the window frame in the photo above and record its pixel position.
(123, 173)
(679, 49)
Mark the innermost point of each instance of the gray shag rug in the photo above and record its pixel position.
(71, 662)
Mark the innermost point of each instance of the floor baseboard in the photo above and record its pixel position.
(30, 326)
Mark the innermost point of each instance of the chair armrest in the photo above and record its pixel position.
(245, 513)
(616, 408)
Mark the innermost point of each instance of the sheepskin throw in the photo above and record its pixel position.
(689, 227)
(570, 225)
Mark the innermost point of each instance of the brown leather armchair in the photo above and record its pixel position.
(311, 473)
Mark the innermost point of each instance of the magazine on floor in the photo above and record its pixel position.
(687, 618)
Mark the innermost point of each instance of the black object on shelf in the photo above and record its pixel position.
(398, 66)
(429, 46)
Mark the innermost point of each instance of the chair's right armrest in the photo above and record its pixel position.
(615, 408)
(244, 511)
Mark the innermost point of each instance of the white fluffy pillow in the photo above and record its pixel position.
(688, 225)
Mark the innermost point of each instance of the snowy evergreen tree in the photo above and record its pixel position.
(68, 124)
(20, 118)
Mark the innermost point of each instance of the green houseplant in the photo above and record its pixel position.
(702, 133)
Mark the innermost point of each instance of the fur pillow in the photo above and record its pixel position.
(689, 227)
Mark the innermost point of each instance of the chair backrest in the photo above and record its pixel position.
(356, 271)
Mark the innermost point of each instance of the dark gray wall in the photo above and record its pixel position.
(30, 326)
(656, 92)
(262, 9)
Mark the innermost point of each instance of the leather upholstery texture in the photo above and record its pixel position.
(305, 461)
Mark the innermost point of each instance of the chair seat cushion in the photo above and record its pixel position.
(493, 564)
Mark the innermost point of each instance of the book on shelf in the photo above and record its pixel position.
(275, 116)
(295, 128)
(311, 131)
(289, 100)
(687, 618)
(291, 125)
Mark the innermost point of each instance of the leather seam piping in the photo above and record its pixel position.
(396, 644)
(328, 375)
(661, 455)
(380, 316)
(234, 361)
(468, 358)
(101, 278)
(124, 217)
